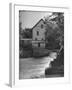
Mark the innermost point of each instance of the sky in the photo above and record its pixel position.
(30, 18)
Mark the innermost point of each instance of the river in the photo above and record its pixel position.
(34, 67)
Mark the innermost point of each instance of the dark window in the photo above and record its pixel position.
(37, 32)
(42, 39)
(38, 44)
(35, 38)
(41, 25)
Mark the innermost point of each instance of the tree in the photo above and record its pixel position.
(27, 33)
(21, 31)
(55, 28)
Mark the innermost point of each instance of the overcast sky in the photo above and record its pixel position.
(30, 18)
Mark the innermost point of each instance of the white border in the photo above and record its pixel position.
(15, 47)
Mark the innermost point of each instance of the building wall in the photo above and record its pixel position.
(42, 44)
(39, 35)
(35, 44)
(40, 30)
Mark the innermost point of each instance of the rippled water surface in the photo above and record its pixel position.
(33, 67)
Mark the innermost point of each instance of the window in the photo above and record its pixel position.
(37, 32)
(41, 25)
(38, 44)
(35, 38)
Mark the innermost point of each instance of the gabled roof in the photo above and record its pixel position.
(38, 23)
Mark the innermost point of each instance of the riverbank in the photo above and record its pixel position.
(33, 67)
(57, 66)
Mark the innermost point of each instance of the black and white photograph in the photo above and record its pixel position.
(41, 44)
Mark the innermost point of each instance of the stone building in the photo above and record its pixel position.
(38, 34)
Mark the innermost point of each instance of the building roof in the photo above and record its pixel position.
(38, 23)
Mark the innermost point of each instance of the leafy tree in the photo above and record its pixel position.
(55, 28)
(27, 33)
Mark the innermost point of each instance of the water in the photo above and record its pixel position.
(34, 67)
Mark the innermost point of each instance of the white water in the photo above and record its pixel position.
(32, 68)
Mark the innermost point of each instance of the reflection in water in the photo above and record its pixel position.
(35, 67)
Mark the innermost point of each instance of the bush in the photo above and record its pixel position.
(25, 49)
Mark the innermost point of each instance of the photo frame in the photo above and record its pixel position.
(17, 13)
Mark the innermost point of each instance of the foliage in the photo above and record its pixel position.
(24, 33)
(55, 29)
(27, 33)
